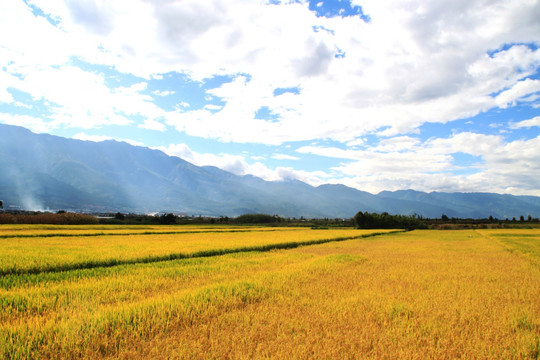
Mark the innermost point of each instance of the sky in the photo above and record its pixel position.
(376, 95)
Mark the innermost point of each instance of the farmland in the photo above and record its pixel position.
(254, 292)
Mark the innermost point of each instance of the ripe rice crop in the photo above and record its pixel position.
(44, 230)
(415, 295)
(34, 254)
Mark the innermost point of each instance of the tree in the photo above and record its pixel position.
(360, 220)
(167, 219)
(444, 217)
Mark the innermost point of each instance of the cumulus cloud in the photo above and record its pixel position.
(239, 165)
(82, 99)
(408, 66)
(403, 162)
(235, 164)
(412, 63)
(35, 124)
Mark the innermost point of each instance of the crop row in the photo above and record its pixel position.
(41, 231)
(56, 254)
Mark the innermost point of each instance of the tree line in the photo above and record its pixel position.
(362, 220)
(365, 220)
(61, 218)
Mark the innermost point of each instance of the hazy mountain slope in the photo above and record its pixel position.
(47, 172)
(473, 205)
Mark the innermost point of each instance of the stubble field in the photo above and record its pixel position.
(244, 292)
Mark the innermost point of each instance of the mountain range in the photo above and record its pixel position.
(45, 172)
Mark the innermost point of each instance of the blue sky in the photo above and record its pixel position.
(376, 95)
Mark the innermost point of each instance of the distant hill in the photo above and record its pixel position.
(41, 171)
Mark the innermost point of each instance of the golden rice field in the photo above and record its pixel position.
(69, 249)
(239, 293)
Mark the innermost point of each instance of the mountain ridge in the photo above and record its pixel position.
(50, 172)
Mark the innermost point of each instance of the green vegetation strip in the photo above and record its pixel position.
(177, 256)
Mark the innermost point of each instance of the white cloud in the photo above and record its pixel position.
(213, 107)
(414, 62)
(393, 78)
(6, 79)
(356, 142)
(518, 91)
(30, 41)
(5, 96)
(502, 167)
(152, 124)
(534, 122)
(467, 142)
(182, 105)
(163, 93)
(397, 144)
(82, 99)
(232, 163)
(238, 165)
(35, 124)
(313, 178)
(284, 157)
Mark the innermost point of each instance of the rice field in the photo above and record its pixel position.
(33, 251)
(239, 293)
